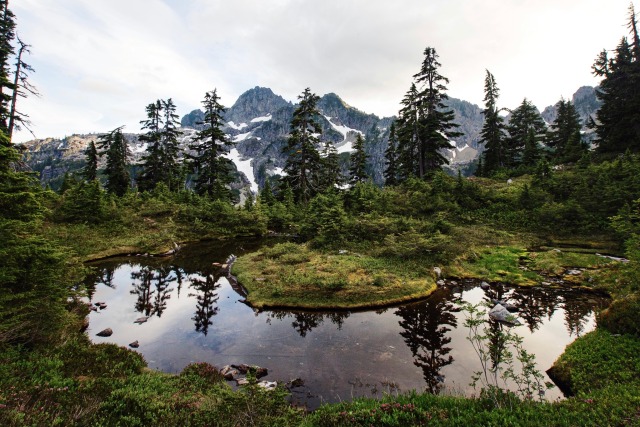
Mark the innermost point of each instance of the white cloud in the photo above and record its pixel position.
(99, 63)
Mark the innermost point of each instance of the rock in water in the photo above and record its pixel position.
(268, 385)
(141, 320)
(105, 333)
(134, 344)
(501, 314)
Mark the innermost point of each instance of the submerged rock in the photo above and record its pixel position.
(141, 320)
(105, 333)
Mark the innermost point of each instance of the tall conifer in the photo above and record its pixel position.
(213, 170)
(357, 169)
(492, 135)
(303, 162)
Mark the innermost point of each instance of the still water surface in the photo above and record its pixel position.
(195, 315)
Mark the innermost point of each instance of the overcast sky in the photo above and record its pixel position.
(100, 62)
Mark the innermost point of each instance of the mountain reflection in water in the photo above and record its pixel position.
(194, 314)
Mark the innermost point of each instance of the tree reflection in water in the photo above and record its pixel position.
(305, 322)
(151, 286)
(207, 298)
(425, 327)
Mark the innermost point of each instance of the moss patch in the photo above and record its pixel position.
(292, 275)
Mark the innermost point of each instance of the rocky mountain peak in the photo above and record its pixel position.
(256, 102)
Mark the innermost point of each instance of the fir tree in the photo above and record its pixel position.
(425, 127)
(330, 174)
(407, 133)
(170, 146)
(213, 170)
(90, 171)
(492, 135)
(21, 88)
(357, 169)
(152, 168)
(524, 121)
(266, 195)
(160, 164)
(116, 149)
(564, 131)
(303, 162)
(436, 123)
(618, 119)
(7, 34)
(391, 158)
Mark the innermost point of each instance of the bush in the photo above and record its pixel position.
(622, 316)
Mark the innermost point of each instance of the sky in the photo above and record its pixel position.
(98, 63)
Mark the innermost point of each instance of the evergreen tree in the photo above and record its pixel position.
(564, 131)
(618, 119)
(266, 195)
(213, 170)
(21, 88)
(425, 126)
(531, 152)
(492, 134)
(525, 121)
(330, 172)
(407, 133)
(436, 123)
(90, 171)
(303, 162)
(7, 34)
(391, 158)
(160, 164)
(480, 168)
(357, 169)
(171, 147)
(115, 146)
(152, 168)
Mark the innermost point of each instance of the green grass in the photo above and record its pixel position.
(597, 360)
(500, 264)
(292, 275)
(424, 409)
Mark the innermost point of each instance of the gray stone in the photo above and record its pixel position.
(105, 333)
(485, 285)
(134, 344)
(141, 320)
(268, 385)
(501, 314)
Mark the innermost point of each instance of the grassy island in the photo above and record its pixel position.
(295, 276)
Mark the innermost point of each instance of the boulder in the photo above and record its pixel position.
(141, 320)
(134, 344)
(268, 385)
(438, 271)
(484, 286)
(501, 314)
(242, 381)
(228, 373)
(105, 333)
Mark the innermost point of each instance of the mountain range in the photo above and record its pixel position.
(259, 122)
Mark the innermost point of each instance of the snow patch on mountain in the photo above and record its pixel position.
(237, 127)
(262, 119)
(141, 148)
(245, 167)
(241, 137)
(276, 171)
(345, 146)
